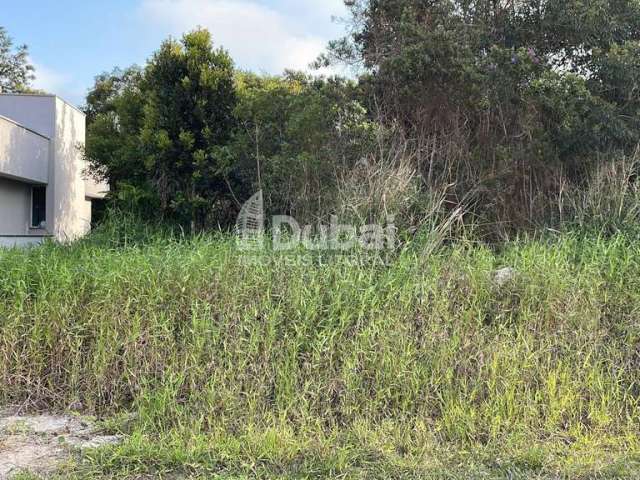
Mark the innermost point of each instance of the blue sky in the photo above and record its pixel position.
(71, 41)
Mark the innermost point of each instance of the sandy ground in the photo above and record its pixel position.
(40, 443)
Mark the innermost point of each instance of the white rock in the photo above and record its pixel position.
(504, 276)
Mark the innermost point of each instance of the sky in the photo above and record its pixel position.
(72, 41)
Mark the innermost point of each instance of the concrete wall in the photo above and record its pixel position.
(15, 207)
(72, 211)
(24, 155)
(69, 189)
(21, 242)
(36, 112)
(93, 189)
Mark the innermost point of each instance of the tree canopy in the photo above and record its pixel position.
(189, 137)
(512, 68)
(501, 101)
(157, 132)
(16, 72)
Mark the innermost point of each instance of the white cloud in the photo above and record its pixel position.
(260, 37)
(63, 85)
(317, 12)
(47, 79)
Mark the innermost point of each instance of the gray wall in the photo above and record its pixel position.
(37, 112)
(15, 207)
(24, 155)
(71, 209)
(69, 190)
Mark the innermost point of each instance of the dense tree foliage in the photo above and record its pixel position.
(157, 133)
(198, 153)
(115, 112)
(497, 106)
(188, 116)
(509, 98)
(16, 73)
(295, 133)
(561, 73)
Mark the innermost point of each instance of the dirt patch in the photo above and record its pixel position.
(40, 443)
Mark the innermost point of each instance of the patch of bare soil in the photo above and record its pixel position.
(40, 443)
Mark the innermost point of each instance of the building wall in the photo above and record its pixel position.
(21, 242)
(72, 211)
(24, 155)
(36, 112)
(15, 207)
(94, 189)
(69, 189)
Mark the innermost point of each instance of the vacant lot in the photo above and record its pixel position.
(297, 366)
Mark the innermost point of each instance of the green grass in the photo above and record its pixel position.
(420, 368)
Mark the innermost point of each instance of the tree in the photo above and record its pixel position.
(115, 114)
(188, 116)
(508, 94)
(497, 61)
(159, 133)
(16, 73)
(294, 135)
(190, 138)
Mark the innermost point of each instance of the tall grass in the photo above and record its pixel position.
(298, 365)
(610, 200)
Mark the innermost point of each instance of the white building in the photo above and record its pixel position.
(44, 187)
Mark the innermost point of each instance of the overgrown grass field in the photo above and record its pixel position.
(295, 366)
